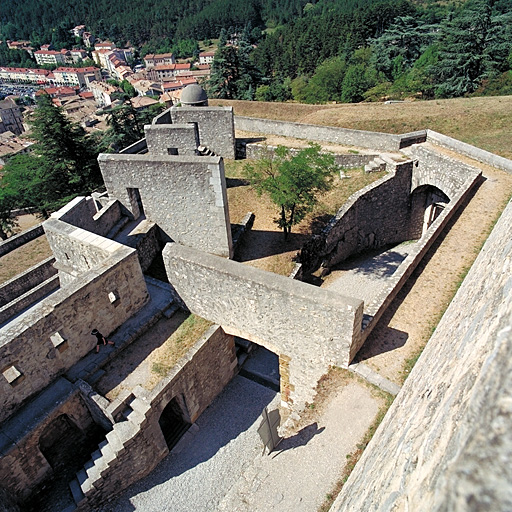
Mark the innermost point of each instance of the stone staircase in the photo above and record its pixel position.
(89, 479)
(204, 151)
(375, 165)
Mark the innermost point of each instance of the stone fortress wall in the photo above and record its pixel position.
(446, 443)
(308, 327)
(102, 285)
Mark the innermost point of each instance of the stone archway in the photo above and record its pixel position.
(427, 203)
(173, 423)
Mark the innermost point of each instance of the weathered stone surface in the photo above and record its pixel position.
(446, 442)
(169, 139)
(184, 195)
(312, 326)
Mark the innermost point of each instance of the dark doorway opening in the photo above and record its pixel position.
(136, 205)
(173, 423)
(258, 364)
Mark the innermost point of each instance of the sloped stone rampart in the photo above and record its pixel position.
(446, 443)
(308, 327)
(16, 241)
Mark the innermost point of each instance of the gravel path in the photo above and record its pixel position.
(208, 463)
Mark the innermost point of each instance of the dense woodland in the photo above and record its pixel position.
(328, 50)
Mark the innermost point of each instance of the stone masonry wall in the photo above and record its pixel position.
(358, 138)
(215, 124)
(22, 465)
(20, 239)
(185, 196)
(312, 327)
(446, 443)
(443, 172)
(137, 445)
(163, 139)
(24, 282)
(55, 333)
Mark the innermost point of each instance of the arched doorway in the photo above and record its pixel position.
(173, 423)
(427, 203)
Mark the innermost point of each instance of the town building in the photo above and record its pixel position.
(102, 93)
(152, 60)
(206, 57)
(78, 30)
(76, 76)
(52, 57)
(11, 118)
(25, 75)
(163, 71)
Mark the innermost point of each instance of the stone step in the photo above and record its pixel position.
(169, 312)
(81, 476)
(139, 405)
(76, 491)
(107, 452)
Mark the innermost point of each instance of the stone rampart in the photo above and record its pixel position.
(467, 149)
(20, 239)
(446, 443)
(308, 327)
(135, 446)
(172, 139)
(345, 136)
(215, 125)
(432, 168)
(22, 283)
(184, 195)
(54, 334)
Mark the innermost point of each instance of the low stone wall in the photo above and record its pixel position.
(24, 282)
(82, 212)
(347, 137)
(255, 151)
(55, 333)
(137, 445)
(445, 443)
(20, 239)
(467, 149)
(308, 327)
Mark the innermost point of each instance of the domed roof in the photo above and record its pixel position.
(193, 94)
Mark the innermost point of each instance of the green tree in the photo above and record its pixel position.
(292, 181)
(63, 163)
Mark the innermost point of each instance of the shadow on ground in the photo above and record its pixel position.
(259, 244)
(301, 438)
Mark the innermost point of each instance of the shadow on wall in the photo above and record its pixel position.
(258, 244)
(228, 416)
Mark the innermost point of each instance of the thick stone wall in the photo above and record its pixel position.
(185, 196)
(172, 139)
(20, 239)
(308, 327)
(359, 138)
(443, 172)
(54, 334)
(375, 216)
(215, 124)
(137, 445)
(446, 443)
(22, 465)
(22, 283)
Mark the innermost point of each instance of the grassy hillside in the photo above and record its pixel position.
(483, 122)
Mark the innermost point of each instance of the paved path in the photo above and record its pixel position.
(366, 276)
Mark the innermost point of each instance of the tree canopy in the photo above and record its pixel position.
(293, 181)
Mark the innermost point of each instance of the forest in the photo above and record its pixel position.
(312, 52)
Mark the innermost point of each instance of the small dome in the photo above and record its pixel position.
(194, 94)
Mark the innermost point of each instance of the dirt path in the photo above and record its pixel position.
(409, 321)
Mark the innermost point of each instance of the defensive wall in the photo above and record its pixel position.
(184, 195)
(308, 327)
(104, 287)
(20, 239)
(345, 136)
(446, 444)
(136, 443)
